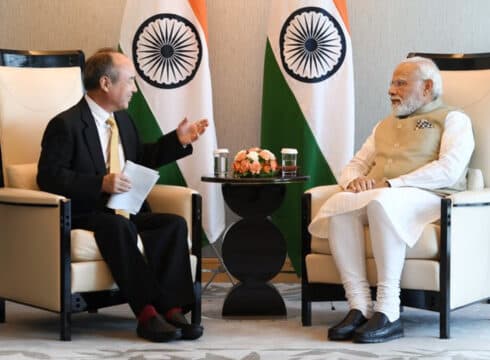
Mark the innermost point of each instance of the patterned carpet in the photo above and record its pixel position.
(110, 334)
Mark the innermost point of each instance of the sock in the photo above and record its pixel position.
(171, 312)
(146, 314)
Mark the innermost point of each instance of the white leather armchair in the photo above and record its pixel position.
(43, 261)
(449, 267)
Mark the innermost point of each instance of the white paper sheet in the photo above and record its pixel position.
(142, 181)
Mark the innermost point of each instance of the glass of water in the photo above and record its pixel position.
(221, 162)
(288, 162)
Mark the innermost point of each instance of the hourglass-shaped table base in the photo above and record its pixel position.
(254, 249)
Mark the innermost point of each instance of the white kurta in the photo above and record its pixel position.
(408, 206)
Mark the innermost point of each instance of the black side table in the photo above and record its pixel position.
(254, 249)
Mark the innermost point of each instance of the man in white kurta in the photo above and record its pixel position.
(393, 183)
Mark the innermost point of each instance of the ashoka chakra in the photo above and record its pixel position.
(312, 45)
(167, 51)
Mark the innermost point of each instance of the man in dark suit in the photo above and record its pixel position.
(74, 163)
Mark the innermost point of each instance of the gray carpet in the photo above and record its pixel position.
(32, 334)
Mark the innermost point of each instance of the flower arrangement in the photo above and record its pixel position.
(255, 162)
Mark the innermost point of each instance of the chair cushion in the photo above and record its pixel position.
(22, 176)
(427, 247)
(84, 247)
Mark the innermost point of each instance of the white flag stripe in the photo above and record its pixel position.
(327, 105)
(192, 100)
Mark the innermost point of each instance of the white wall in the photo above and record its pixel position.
(383, 32)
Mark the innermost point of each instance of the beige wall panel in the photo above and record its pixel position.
(383, 32)
(60, 24)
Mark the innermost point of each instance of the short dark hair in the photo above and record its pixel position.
(98, 65)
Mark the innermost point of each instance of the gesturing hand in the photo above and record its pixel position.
(188, 132)
(115, 183)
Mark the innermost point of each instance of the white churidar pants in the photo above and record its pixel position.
(347, 243)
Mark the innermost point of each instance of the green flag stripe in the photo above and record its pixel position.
(149, 132)
(284, 125)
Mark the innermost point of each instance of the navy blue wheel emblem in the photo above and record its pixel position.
(167, 51)
(312, 45)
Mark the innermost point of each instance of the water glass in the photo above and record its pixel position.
(221, 162)
(288, 162)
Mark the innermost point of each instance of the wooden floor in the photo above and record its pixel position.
(287, 274)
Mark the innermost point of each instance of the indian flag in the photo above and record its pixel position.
(308, 97)
(167, 41)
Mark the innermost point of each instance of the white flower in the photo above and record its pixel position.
(253, 155)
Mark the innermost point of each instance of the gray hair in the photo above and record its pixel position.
(428, 70)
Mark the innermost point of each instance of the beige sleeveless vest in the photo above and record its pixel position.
(406, 144)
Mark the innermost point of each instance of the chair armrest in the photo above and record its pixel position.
(469, 246)
(172, 200)
(29, 197)
(179, 200)
(33, 228)
(320, 194)
(471, 197)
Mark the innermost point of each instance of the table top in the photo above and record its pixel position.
(230, 179)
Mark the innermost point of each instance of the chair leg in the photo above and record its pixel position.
(444, 323)
(2, 310)
(196, 310)
(65, 325)
(305, 312)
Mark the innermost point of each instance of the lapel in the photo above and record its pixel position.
(91, 137)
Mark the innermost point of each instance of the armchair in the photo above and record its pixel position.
(449, 267)
(43, 261)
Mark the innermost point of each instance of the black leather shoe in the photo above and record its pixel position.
(156, 329)
(344, 330)
(378, 329)
(189, 331)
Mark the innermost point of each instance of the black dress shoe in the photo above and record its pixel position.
(189, 331)
(378, 329)
(156, 329)
(344, 330)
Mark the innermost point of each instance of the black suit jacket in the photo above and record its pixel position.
(72, 164)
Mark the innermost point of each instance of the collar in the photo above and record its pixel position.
(100, 115)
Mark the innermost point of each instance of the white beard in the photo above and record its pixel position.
(407, 107)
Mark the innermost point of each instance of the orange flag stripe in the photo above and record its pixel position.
(199, 8)
(342, 8)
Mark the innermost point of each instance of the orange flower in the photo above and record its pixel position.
(267, 168)
(273, 165)
(241, 155)
(244, 166)
(255, 167)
